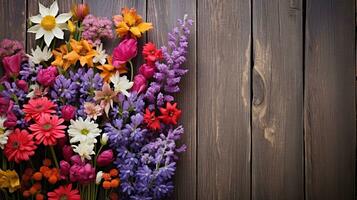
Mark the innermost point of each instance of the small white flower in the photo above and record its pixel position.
(121, 84)
(48, 25)
(99, 177)
(39, 55)
(84, 150)
(101, 57)
(83, 130)
(3, 133)
(104, 139)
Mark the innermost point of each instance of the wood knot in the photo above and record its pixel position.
(258, 88)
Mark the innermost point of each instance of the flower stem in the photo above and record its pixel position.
(131, 71)
(54, 156)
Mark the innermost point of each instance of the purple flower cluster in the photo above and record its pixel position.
(97, 28)
(146, 159)
(169, 73)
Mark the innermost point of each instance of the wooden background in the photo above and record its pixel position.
(269, 102)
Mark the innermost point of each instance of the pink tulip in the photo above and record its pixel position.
(22, 85)
(147, 70)
(125, 51)
(68, 112)
(67, 152)
(11, 120)
(105, 158)
(47, 77)
(64, 169)
(12, 65)
(140, 83)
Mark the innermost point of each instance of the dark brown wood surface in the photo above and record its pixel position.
(277, 107)
(330, 116)
(269, 101)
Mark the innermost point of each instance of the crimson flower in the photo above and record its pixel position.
(20, 146)
(64, 192)
(151, 54)
(48, 129)
(151, 120)
(37, 107)
(170, 114)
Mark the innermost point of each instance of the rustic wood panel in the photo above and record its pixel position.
(32, 9)
(330, 123)
(223, 87)
(277, 108)
(109, 8)
(164, 14)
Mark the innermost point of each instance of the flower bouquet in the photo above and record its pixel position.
(77, 122)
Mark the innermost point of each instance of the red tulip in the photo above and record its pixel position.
(12, 65)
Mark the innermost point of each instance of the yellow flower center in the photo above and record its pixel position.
(84, 131)
(48, 22)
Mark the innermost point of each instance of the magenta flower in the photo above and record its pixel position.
(80, 171)
(12, 65)
(67, 152)
(11, 120)
(140, 83)
(64, 169)
(22, 85)
(105, 158)
(68, 112)
(147, 70)
(125, 51)
(5, 105)
(47, 77)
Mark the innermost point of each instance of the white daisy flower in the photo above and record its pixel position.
(101, 57)
(84, 150)
(48, 25)
(83, 130)
(39, 55)
(99, 177)
(121, 84)
(4, 134)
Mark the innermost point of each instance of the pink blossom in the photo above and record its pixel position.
(64, 169)
(68, 112)
(11, 120)
(5, 105)
(47, 77)
(22, 85)
(125, 51)
(96, 28)
(105, 158)
(80, 171)
(67, 152)
(140, 83)
(147, 70)
(12, 65)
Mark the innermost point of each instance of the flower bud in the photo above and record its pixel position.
(68, 112)
(105, 158)
(140, 83)
(104, 139)
(22, 85)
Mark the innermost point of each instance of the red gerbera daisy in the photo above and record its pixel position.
(151, 54)
(64, 192)
(37, 107)
(20, 146)
(48, 129)
(170, 114)
(151, 120)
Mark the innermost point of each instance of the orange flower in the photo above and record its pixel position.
(108, 70)
(79, 11)
(115, 183)
(60, 60)
(130, 22)
(106, 185)
(82, 51)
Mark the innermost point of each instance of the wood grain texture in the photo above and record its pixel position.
(223, 75)
(277, 110)
(63, 5)
(164, 14)
(109, 8)
(330, 115)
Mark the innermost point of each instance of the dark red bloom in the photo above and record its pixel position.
(151, 54)
(151, 120)
(170, 114)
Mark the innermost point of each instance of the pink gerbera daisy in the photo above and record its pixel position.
(48, 129)
(64, 192)
(38, 107)
(20, 146)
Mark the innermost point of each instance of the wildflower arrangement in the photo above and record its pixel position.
(77, 122)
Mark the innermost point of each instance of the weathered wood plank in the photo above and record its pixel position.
(277, 110)
(32, 9)
(109, 8)
(223, 100)
(163, 14)
(330, 116)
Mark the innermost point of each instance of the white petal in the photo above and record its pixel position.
(43, 10)
(58, 33)
(40, 33)
(34, 29)
(54, 9)
(63, 18)
(48, 37)
(125, 93)
(62, 26)
(36, 19)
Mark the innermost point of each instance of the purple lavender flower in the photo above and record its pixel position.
(29, 72)
(96, 28)
(64, 90)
